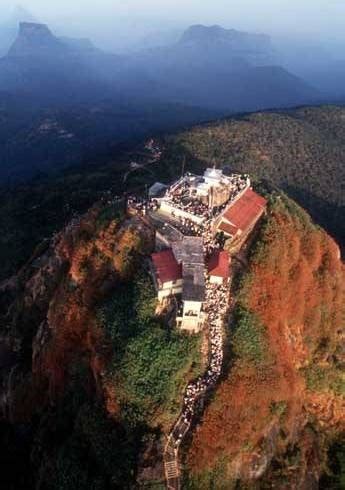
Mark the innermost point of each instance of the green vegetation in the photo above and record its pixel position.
(151, 363)
(154, 369)
(214, 478)
(248, 341)
(319, 378)
(279, 408)
(300, 151)
(114, 212)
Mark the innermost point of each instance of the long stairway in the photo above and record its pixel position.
(171, 470)
(217, 303)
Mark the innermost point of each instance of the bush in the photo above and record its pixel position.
(324, 379)
(115, 212)
(278, 408)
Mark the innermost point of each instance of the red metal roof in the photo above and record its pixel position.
(227, 228)
(166, 267)
(218, 264)
(246, 210)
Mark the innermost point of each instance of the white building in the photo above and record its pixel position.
(219, 267)
(167, 274)
(194, 197)
(181, 271)
(190, 253)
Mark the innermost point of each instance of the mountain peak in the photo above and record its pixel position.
(215, 34)
(35, 39)
(201, 32)
(34, 28)
(21, 14)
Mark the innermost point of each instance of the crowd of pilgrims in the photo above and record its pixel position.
(215, 306)
(185, 226)
(179, 199)
(183, 198)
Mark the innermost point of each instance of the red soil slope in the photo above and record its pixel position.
(295, 288)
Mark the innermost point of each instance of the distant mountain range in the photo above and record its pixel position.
(208, 67)
(255, 48)
(223, 69)
(209, 72)
(36, 40)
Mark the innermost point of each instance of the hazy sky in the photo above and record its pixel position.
(319, 19)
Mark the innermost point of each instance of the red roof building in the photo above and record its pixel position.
(218, 266)
(241, 216)
(166, 267)
(227, 228)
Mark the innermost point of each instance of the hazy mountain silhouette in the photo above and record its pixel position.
(209, 67)
(87, 97)
(228, 44)
(37, 40)
(8, 30)
(223, 69)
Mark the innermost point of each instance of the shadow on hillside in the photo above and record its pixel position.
(328, 216)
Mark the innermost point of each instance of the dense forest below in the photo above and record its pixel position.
(301, 151)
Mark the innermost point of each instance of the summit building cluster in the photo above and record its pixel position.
(193, 220)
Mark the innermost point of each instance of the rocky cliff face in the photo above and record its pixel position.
(282, 399)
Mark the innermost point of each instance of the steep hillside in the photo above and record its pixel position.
(89, 376)
(282, 400)
(301, 151)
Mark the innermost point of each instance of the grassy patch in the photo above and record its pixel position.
(321, 379)
(214, 478)
(249, 342)
(150, 364)
(153, 370)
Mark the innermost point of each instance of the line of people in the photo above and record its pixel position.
(216, 305)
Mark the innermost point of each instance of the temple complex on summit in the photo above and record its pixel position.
(193, 219)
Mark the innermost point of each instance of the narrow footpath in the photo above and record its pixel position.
(216, 308)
